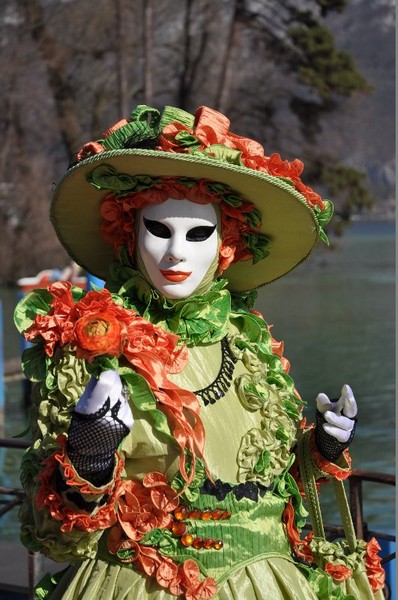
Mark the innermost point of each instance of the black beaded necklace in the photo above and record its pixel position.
(219, 387)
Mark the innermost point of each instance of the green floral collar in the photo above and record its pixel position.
(201, 319)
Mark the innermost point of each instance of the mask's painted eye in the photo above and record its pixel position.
(200, 234)
(157, 229)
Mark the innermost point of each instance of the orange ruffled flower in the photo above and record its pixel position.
(70, 322)
(374, 570)
(98, 333)
(338, 572)
(96, 325)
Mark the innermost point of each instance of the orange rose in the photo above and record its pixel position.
(96, 334)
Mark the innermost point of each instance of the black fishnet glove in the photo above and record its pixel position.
(101, 420)
(335, 423)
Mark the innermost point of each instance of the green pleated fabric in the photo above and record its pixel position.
(274, 578)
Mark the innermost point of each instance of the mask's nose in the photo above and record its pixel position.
(175, 250)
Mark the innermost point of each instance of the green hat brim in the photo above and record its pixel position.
(287, 220)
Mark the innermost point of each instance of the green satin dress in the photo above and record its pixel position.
(248, 442)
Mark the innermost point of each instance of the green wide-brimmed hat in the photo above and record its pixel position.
(174, 143)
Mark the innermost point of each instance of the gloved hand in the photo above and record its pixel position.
(335, 423)
(101, 420)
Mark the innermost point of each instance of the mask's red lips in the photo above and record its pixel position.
(175, 276)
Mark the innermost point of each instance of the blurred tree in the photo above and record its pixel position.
(71, 68)
(54, 59)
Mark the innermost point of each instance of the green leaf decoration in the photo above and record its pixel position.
(324, 216)
(144, 400)
(77, 293)
(258, 244)
(34, 363)
(162, 538)
(253, 218)
(102, 363)
(281, 434)
(324, 237)
(187, 140)
(263, 462)
(106, 177)
(223, 154)
(192, 492)
(34, 303)
(291, 409)
(125, 555)
(225, 192)
(130, 135)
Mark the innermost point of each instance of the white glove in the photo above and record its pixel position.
(338, 415)
(108, 385)
(101, 420)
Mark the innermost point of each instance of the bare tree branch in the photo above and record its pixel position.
(228, 66)
(121, 59)
(55, 59)
(148, 57)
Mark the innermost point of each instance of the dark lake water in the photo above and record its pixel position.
(336, 315)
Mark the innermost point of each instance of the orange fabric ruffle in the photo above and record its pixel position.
(71, 518)
(144, 507)
(374, 570)
(211, 127)
(300, 546)
(327, 468)
(338, 572)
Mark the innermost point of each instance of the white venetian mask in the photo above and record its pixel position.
(177, 242)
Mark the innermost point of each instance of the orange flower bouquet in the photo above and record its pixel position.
(99, 329)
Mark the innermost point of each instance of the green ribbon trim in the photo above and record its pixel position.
(172, 114)
(143, 126)
(106, 177)
(220, 153)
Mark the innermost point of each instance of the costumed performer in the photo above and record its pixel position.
(166, 426)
